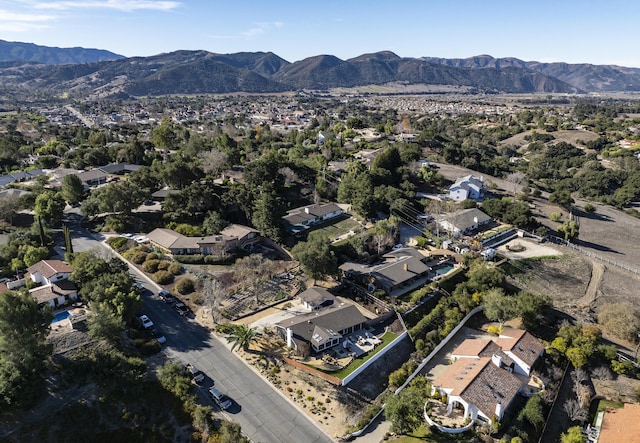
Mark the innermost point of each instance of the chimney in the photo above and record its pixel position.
(289, 338)
(475, 220)
(499, 410)
(406, 267)
(306, 210)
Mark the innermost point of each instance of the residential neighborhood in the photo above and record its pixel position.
(371, 274)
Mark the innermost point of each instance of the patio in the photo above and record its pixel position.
(356, 344)
(438, 413)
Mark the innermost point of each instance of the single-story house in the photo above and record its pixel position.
(303, 218)
(232, 237)
(93, 177)
(162, 194)
(119, 168)
(46, 272)
(463, 222)
(21, 176)
(315, 298)
(401, 270)
(13, 193)
(467, 187)
(321, 329)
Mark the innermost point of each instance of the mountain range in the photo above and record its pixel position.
(26, 68)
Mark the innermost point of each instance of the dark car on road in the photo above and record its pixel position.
(166, 296)
(181, 308)
(196, 375)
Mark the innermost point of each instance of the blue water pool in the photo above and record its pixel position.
(443, 268)
(59, 316)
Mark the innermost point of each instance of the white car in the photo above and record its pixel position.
(145, 321)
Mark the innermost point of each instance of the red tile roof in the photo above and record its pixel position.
(621, 425)
(49, 268)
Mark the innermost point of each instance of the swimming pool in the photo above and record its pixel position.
(443, 268)
(59, 316)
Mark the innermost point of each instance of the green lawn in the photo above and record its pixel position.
(337, 229)
(425, 434)
(387, 338)
(602, 405)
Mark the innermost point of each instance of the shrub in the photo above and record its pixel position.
(195, 259)
(120, 244)
(163, 277)
(175, 268)
(115, 223)
(163, 265)
(139, 257)
(184, 285)
(589, 208)
(153, 256)
(150, 266)
(555, 216)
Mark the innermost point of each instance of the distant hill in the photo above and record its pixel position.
(583, 76)
(202, 72)
(29, 52)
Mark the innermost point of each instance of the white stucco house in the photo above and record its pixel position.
(487, 374)
(55, 289)
(467, 187)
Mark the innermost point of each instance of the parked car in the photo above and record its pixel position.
(221, 400)
(145, 321)
(196, 375)
(142, 289)
(158, 335)
(166, 296)
(181, 308)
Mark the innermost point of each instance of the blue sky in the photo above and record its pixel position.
(570, 31)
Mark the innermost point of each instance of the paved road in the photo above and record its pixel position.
(265, 415)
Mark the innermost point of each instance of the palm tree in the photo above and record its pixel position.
(242, 336)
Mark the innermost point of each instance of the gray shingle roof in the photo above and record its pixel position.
(332, 319)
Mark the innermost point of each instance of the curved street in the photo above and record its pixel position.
(265, 414)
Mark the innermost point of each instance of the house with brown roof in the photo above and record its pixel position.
(621, 424)
(486, 374)
(478, 386)
(46, 272)
(55, 289)
(515, 350)
(230, 238)
(321, 329)
(522, 347)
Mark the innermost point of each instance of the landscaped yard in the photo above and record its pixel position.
(337, 230)
(425, 433)
(387, 338)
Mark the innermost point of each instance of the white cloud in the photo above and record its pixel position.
(260, 29)
(119, 5)
(23, 22)
(21, 27)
